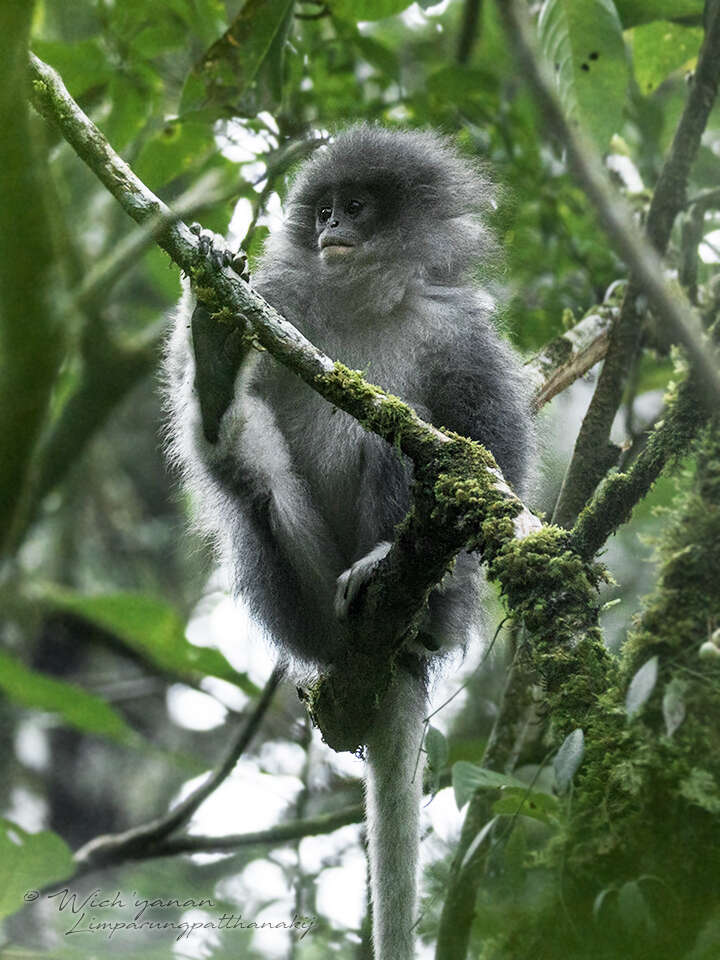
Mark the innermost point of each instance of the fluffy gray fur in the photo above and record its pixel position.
(295, 492)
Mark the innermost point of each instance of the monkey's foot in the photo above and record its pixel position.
(352, 580)
(213, 247)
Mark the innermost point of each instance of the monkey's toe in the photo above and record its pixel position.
(351, 582)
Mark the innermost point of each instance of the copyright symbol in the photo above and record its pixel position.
(31, 895)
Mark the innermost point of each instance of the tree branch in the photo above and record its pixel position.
(472, 14)
(569, 356)
(30, 335)
(458, 910)
(431, 535)
(618, 496)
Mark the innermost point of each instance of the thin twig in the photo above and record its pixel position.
(471, 19)
(113, 848)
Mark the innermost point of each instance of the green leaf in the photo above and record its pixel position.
(29, 861)
(367, 9)
(152, 629)
(568, 759)
(436, 748)
(600, 900)
(232, 62)
(82, 65)
(208, 20)
(673, 705)
(131, 103)
(377, 54)
(175, 149)
(583, 42)
(79, 709)
(156, 38)
(641, 686)
(467, 778)
(529, 803)
(633, 908)
(661, 47)
(482, 834)
(633, 12)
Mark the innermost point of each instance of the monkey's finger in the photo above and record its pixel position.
(239, 264)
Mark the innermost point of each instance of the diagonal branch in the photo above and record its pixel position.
(461, 498)
(618, 496)
(569, 356)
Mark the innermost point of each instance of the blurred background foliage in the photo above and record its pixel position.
(112, 705)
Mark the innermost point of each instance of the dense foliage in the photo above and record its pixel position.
(593, 781)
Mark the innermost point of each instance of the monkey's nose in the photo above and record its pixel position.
(334, 223)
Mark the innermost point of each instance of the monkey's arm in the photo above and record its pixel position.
(475, 386)
(236, 465)
(219, 350)
(219, 347)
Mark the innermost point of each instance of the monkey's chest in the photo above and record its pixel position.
(347, 473)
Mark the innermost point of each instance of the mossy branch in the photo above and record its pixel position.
(620, 493)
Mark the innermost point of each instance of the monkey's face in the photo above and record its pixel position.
(345, 219)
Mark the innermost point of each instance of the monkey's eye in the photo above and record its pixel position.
(324, 214)
(354, 207)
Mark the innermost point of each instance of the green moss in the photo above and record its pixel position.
(204, 294)
(647, 795)
(224, 315)
(378, 411)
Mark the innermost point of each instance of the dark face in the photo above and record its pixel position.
(345, 219)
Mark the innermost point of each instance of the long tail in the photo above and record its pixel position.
(392, 801)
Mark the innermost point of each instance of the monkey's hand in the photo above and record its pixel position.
(219, 347)
(213, 247)
(352, 580)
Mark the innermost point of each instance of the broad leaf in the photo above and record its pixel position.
(583, 43)
(232, 62)
(367, 9)
(479, 838)
(152, 629)
(673, 705)
(529, 803)
(641, 686)
(71, 703)
(28, 862)
(661, 47)
(467, 778)
(633, 12)
(633, 907)
(568, 759)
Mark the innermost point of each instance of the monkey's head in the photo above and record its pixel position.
(378, 197)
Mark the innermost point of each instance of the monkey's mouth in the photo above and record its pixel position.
(333, 247)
